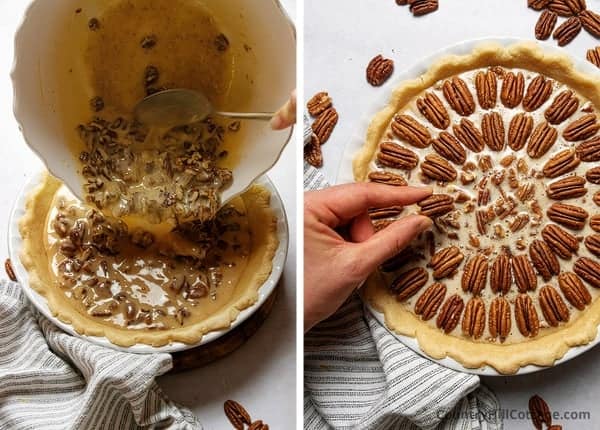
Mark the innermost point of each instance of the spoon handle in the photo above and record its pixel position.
(264, 116)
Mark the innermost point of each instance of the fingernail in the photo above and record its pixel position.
(276, 122)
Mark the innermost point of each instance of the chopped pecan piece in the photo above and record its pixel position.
(569, 216)
(319, 103)
(526, 316)
(512, 89)
(430, 301)
(545, 25)
(593, 56)
(539, 90)
(597, 198)
(458, 96)
(592, 243)
(450, 148)
(449, 315)
(324, 124)
(437, 168)
(582, 128)
(389, 212)
(445, 262)
(553, 307)
(408, 283)
(537, 4)
(473, 322)
(492, 128)
(519, 130)
(500, 277)
(481, 219)
(312, 152)
(574, 290)
(562, 243)
(567, 31)
(387, 178)
(423, 7)
(469, 135)
(563, 162)
(519, 222)
(432, 108)
(540, 413)
(542, 139)
(411, 131)
(483, 197)
(379, 70)
(499, 321)
(567, 188)
(589, 150)
(595, 223)
(593, 175)
(544, 259)
(436, 205)
(475, 274)
(397, 156)
(562, 107)
(486, 85)
(523, 273)
(591, 22)
(525, 192)
(588, 270)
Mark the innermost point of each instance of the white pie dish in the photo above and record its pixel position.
(15, 246)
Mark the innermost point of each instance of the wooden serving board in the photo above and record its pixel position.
(226, 344)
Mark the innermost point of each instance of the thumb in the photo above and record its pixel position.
(389, 241)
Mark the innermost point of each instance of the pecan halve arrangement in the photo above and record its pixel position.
(512, 256)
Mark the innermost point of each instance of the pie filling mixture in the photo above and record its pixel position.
(512, 158)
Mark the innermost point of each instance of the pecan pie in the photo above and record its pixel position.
(509, 273)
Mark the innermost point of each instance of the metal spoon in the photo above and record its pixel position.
(171, 108)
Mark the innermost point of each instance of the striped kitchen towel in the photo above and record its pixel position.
(52, 380)
(358, 376)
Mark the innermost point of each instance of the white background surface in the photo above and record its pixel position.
(261, 374)
(341, 37)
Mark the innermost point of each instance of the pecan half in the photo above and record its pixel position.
(541, 140)
(436, 205)
(537, 4)
(538, 92)
(588, 270)
(437, 168)
(567, 31)
(473, 322)
(379, 70)
(258, 425)
(475, 274)
(545, 25)
(388, 212)
(591, 22)
(324, 124)
(399, 260)
(486, 85)
(432, 108)
(574, 290)
(563, 162)
(408, 283)
(492, 128)
(543, 259)
(593, 175)
(450, 148)
(589, 150)
(387, 178)
(423, 7)
(458, 96)
(430, 301)
(540, 413)
(237, 415)
(552, 305)
(468, 134)
(563, 106)
(411, 131)
(593, 56)
(318, 103)
(576, 6)
(523, 273)
(560, 7)
(312, 152)
(567, 188)
(499, 321)
(526, 316)
(519, 130)
(582, 128)
(592, 243)
(569, 216)
(512, 89)
(500, 277)
(449, 315)
(397, 156)
(562, 243)
(595, 223)
(446, 261)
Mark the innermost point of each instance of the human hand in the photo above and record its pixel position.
(286, 116)
(335, 266)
